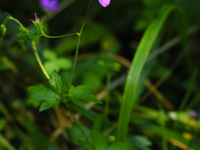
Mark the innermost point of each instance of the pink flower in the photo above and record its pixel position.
(104, 3)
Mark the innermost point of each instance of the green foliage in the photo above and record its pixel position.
(42, 93)
(141, 142)
(54, 63)
(55, 83)
(39, 24)
(137, 65)
(60, 92)
(79, 93)
(26, 35)
(3, 30)
(120, 146)
(99, 141)
(107, 40)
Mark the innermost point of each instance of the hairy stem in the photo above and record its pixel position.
(75, 60)
(79, 125)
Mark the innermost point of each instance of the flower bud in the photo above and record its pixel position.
(3, 30)
(104, 3)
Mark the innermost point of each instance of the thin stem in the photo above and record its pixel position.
(85, 17)
(106, 109)
(75, 60)
(57, 36)
(39, 61)
(79, 125)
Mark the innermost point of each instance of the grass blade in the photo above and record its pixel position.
(142, 52)
(4, 142)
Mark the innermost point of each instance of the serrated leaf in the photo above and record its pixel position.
(22, 42)
(56, 104)
(89, 98)
(35, 38)
(55, 83)
(80, 89)
(79, 93)
(48, 104)
(23, 31)
(34, 31)
(40, 92)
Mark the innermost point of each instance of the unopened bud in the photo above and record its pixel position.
(3, 30)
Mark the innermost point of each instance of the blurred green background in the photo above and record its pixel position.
(109, 40)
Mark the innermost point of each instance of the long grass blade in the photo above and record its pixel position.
(142, 52)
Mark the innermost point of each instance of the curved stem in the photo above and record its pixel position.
(56, 36)
(75, 60)
(79, 125)
(39, 61)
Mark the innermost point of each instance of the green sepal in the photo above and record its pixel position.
(55, 83)
(39, 25)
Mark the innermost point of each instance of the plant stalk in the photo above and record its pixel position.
(78, 124)
(75, 60)
(38, 59)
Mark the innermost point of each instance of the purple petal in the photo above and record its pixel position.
(104, 3)
(193, 113)
(50, 5)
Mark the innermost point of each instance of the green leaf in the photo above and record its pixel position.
(40, 92)
(63, 63)
(55, 83)
(141, 142)
(35, 38)
(121, 146)
(110, 65)
(137, 65)
(22, 42)
(79, 93)
(34, 31)
(23, 31)
(48, 104)
(48, 54)
(5, 143)
(56, 63)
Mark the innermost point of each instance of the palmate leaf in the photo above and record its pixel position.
(22, 42)
(42, 93)
(79, 93)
